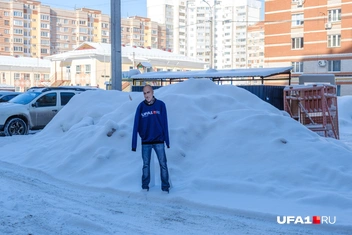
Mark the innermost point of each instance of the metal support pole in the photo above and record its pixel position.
(211, 42)
(212, 32)
(115, 29)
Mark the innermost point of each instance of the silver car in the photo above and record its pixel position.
(34, 109)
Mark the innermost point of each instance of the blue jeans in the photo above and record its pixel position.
(146, 155)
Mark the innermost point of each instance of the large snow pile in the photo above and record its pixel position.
(228, 148)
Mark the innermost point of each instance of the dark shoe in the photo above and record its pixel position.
(145, 188)
(166, 190)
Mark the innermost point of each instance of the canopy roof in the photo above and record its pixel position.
(215, 74)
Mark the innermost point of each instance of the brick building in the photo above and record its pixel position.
(312, 36)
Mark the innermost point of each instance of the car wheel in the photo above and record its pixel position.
(15, 126)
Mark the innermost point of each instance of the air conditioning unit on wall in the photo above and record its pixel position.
(322, 63)
(299, 3)
(328, 25)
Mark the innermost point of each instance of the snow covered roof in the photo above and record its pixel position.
(24, 62)
(137, 53)
(213, 73)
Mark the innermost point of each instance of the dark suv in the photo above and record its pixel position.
(34, 109)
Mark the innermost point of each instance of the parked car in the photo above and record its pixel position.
(5, 96)
(34, 109)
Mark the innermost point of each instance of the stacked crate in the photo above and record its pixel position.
(315, 106)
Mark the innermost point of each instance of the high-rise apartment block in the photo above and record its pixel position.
(312, 36)
(32, 29)
(29, 28)
(214, 31)
(142, 32)
(255, 46)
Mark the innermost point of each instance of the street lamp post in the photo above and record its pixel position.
(212, 24)
(116, 60)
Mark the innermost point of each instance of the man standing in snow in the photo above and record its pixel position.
(150, 122)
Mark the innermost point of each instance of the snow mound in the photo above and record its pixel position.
(226, 145)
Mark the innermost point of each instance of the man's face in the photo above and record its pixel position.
(148, 93)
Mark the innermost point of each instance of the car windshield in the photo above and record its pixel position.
(25, 98)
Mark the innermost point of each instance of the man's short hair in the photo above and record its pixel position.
(147, 86)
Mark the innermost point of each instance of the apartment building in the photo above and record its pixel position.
(255, 46)
(22, 73)
(142, 32)
(207, 29)
(31, 29)
(70, 28)
(312, 36)
(172, 14)
(247, 15)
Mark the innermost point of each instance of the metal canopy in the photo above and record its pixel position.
(218, 75)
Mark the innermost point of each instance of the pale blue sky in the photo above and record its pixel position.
(128, 7)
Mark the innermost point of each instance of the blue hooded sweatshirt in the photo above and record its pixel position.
(150, 122)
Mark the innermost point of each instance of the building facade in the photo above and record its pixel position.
(31, 29)
(142, 32)
(23, 73)
(255, 46)
(312, 36)
(209, 30)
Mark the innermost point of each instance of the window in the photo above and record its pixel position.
(297, 19)
(334, 15)
(16, 48)
(78, 69)
(26, 76)
(45, 42)
(334, 65)
(37, 76)
(44, 34)
(16, 76)
(47, 100)
(17, 13)
(65, 97)
(44, 51)
(44, 17)
(297, 43)
(334, 40)
(18, 31)
(17, 40)
(83, 30)
(88, 68)
(44, 26)
(18, 22)
(297, 67)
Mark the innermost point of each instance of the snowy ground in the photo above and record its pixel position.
(231, 171)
